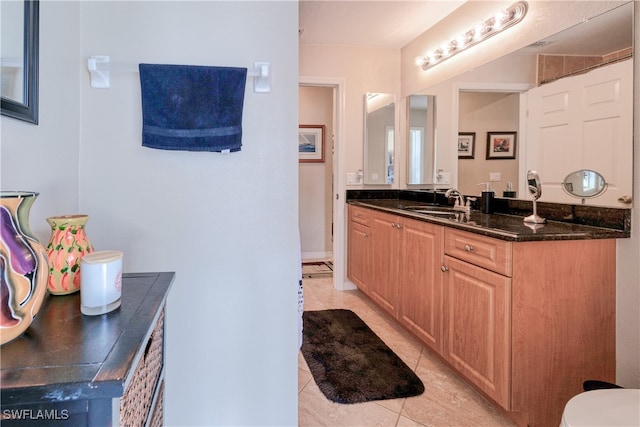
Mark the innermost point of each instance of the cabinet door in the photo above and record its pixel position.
(359, 256)
(385, 235)
(419, 281)
(477, 339)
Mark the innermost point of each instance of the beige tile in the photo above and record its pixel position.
(304, 376)
(407, 422)
(314, 409)
(447, 401)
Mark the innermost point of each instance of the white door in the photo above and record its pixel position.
(583, 122)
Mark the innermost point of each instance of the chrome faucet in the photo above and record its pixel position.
(460, 203)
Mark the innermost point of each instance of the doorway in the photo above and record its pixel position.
(338, 189)
(315, 176)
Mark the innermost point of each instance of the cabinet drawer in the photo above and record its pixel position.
(138, 397)
(486, 252)
(360, 215)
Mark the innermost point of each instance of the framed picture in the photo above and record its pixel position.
(501, 145)
(311, 143)
(466, 145)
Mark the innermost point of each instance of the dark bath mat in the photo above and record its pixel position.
(350, 363)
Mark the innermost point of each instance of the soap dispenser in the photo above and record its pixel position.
(486, 201)
(510, 192)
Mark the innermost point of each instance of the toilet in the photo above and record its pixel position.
(607, 407)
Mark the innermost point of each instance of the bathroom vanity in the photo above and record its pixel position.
(73, 369)
(523, 313)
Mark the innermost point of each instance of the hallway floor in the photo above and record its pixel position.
(447, 400)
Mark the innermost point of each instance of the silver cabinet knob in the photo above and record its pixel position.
(444, 269)
(468, 248)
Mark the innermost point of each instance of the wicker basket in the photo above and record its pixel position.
(157, 419)
(137, 399)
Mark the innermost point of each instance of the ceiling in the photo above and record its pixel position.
(394, 24)
(376, 24)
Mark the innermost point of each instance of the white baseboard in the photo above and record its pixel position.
(348, 285)
(316, 256)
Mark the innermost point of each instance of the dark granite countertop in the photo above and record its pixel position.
(498, 225)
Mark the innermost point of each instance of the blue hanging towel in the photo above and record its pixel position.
(192, 108)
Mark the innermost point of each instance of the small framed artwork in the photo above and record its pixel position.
(311, 143)
(466, 145)
(501, 145)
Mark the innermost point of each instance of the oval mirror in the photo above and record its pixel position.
(533, 185)
(584, 184)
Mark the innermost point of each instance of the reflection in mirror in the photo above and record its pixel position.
(19, 61)
(608, 36)
(483, 113)
(584, 184)
(421, 138)
(379, 132)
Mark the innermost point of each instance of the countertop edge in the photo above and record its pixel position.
(586, 232)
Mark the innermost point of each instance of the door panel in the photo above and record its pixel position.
(583, 122)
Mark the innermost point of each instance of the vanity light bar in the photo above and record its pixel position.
(489, 27)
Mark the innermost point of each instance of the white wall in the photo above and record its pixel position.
(363, 70)
(316, 210)
(226, 224)
(44, 158)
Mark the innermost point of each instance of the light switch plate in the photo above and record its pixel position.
(495, 176)
(353, 178)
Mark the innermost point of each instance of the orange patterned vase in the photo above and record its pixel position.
(23, 266)
(67, 245)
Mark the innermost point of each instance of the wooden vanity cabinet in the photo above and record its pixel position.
(385, 239)
(359, 249)
(528, 322)
(419, 281)
(403, 258)
(525, 322)
(477, 307)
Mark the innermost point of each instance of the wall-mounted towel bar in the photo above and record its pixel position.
(100, 67)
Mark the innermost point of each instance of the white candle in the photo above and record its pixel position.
(100, 282)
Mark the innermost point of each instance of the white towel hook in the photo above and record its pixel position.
(99, 78)
(262, 77)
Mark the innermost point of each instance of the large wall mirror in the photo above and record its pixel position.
(379, 138)
(488, 89)
(19, 61)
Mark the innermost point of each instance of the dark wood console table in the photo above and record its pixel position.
(78, 370)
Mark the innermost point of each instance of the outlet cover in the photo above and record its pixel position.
(495, 176)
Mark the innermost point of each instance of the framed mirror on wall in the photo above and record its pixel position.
(379, 138)
(19, 61)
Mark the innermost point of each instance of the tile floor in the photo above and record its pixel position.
(447, 401)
